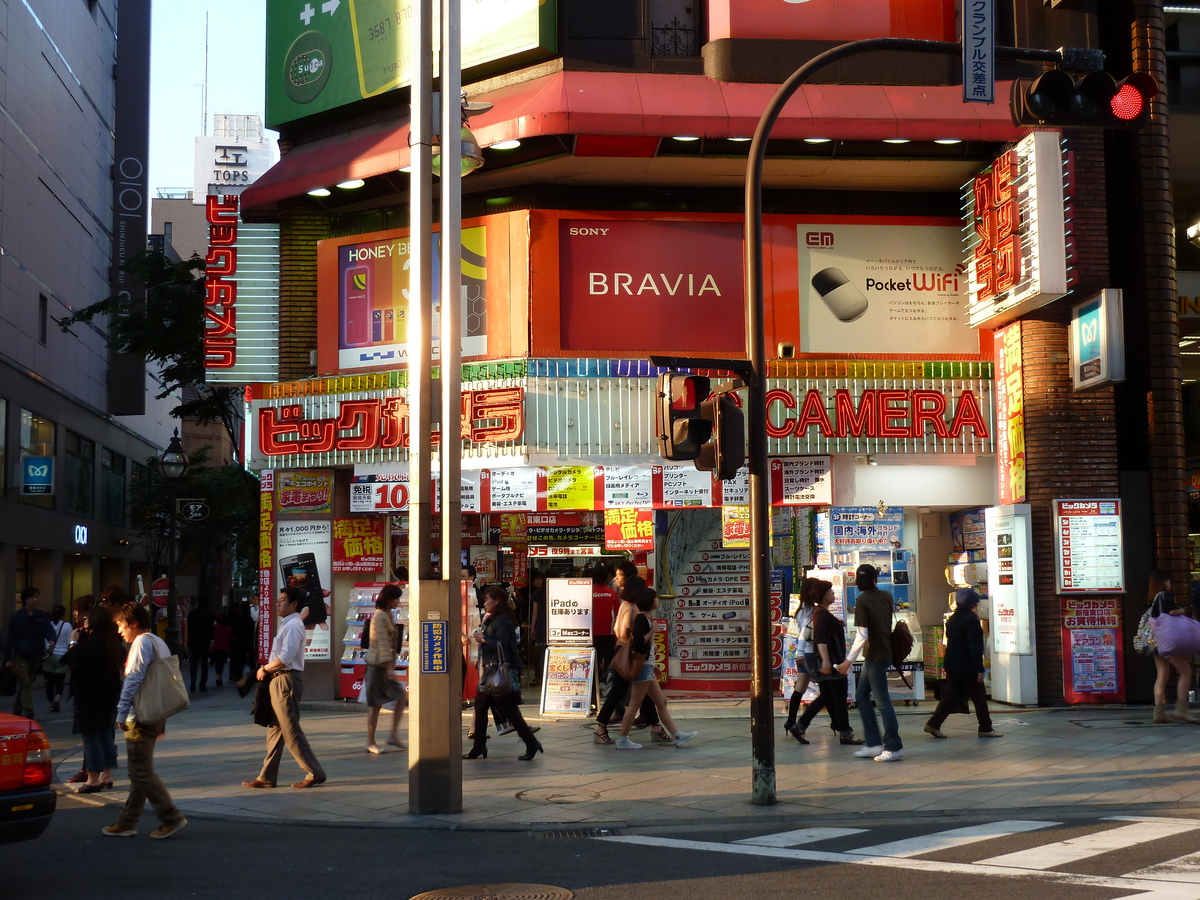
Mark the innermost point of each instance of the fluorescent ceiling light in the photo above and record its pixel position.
(817, 140)
(685, 138)
(948, 141)
(895, 140)
(351, 184)
(506, 145)
(319, 192)
(739, 139)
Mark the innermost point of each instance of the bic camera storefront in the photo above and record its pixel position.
(876, 454)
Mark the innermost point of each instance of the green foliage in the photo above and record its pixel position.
(166, 330)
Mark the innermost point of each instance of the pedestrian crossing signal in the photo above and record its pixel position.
(682, 426)
(1056, 99)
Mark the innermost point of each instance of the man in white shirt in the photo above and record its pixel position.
(285, 669)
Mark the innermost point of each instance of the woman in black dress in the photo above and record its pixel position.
(497, 635)
(96, 665)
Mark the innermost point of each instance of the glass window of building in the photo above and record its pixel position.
(81, 475)
(37, 459)
(112, 487)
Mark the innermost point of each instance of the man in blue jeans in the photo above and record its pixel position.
(873, 619)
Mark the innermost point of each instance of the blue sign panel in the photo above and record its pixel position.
(434, 658)
(37, 475)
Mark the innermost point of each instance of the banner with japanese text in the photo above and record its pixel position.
(358, 545)
(629, 529)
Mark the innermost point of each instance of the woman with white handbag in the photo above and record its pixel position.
(1162, 603)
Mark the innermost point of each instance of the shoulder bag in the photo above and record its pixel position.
(499, 679)
(1175, 635)
(627, 663)
(162, 692)
(1143, 638)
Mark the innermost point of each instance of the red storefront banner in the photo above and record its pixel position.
(1093, 653)
(358, 545)
(629, 529)
(831, 20)
(1010, 414)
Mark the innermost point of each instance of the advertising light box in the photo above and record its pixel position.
(1088, 544)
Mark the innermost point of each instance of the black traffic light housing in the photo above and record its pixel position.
(1089, 99)
(696, 424)
(726, 453)
(682, 427)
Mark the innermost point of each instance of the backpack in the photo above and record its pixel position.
(902, 644)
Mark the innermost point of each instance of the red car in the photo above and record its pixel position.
(26, 799)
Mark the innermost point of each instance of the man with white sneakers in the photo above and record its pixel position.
(873, 620)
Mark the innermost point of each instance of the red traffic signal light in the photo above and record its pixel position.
(726, 453)
(1093, 99)
(682, 426)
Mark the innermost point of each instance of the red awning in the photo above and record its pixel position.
(643, 104)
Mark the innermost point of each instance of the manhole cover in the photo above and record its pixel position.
(558, 795)
(498, 892)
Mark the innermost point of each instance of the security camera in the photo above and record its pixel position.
(785, 350)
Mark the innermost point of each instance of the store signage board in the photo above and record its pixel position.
(1010, 414)
(1015, 219)
(1097, 341)
(569, 611)
(1093, 652)
(1010, 562)
(435, 657)
(567, 687)
(227, 166)
(979, 51)
(241, 296)
(323, 55)
(1088, 544)
(304, 552)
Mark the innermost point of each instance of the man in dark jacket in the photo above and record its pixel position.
(964, 667)
(29, 631)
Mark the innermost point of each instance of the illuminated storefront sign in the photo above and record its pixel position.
(1018, 233)
(876, 413)
(1010, 415)
(493, 415)
(241, 296)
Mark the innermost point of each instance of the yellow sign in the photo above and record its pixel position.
(570, 487)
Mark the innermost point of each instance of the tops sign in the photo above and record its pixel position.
(1018, 234)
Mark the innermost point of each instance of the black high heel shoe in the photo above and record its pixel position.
(531, 750)
(479, 751)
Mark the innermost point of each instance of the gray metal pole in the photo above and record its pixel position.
(429, 777)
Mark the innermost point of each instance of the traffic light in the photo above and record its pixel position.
(727, 451)
(1093, 99)
(682, 427)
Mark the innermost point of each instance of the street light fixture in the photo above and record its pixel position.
(173, 464)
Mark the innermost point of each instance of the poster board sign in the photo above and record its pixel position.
(1093, 653)
(304, 551)
(1097, 345)
(569, 611)
(1088, 547)
(567, 687)
(1010, 587)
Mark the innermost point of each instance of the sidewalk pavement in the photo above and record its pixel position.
(1052, 761)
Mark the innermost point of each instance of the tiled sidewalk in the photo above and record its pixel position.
(1048, 759)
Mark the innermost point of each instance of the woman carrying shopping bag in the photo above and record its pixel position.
(381, 685)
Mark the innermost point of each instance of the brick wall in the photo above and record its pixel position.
(299, 231)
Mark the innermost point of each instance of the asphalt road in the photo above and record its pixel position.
(221, 859)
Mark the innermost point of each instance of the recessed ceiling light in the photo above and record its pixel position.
(895, 140)
(948, 141)
(506, 145)
(739, 139)
(685, 138)
(817, 140)
(319, 192)
(351, 184)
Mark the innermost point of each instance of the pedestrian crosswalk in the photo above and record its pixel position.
(976, 850)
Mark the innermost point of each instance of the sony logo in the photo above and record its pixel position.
(586, 232)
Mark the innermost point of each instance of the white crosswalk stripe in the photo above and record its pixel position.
(1074, 849)
(956, 837)
(800, 836)
(1171, 879)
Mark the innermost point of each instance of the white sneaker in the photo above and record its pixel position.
(682, 737)
(624, 743)
(890, 756)
(375, 748)
(865, 752)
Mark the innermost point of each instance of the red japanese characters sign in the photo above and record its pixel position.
(220, 290)
(629, 529)
(1010, 415)
(358, 545)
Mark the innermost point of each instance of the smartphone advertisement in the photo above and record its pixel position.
(304, 551)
